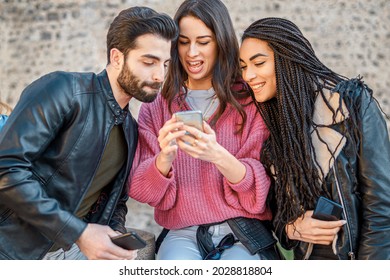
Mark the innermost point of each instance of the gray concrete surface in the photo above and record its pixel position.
(140, 216)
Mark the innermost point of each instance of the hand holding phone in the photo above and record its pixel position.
(129, 241)
(327, 210)
(191, 118)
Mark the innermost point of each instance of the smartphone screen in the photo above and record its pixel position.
(327, 210)
(191, 118)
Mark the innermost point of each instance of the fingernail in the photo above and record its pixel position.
(344, 222)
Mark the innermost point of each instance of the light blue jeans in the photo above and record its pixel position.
(73, 253)
(181, 245)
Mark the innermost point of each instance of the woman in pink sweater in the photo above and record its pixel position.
(208, 187)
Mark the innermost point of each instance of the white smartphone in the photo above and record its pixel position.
(191, 118)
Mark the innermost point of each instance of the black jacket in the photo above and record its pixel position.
(360, 183)
(50, 149)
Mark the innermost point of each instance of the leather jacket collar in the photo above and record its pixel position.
(120, 114)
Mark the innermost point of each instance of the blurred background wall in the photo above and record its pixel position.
(352, 37)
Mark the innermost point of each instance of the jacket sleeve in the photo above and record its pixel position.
(251, 192)
(281, 235)
(30, 128)
(374, 183)
(147, 184)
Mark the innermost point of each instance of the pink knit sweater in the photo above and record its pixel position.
(195, 192)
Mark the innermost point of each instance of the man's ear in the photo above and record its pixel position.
(116, 58)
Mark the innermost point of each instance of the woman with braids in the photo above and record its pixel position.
(327, 138)
(208, 191)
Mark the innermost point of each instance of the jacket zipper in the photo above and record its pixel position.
(351, 254)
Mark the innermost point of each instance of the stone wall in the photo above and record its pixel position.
(38, 36)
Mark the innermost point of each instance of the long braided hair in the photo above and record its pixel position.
(288, 153)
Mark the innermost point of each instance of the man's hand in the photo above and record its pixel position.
(95, 243)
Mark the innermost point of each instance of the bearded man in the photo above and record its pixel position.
(67, 148)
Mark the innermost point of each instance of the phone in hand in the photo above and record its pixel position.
(327, 210)
(191, 118)
(129, 241)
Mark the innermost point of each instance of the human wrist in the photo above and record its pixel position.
(221, 157)
(230, 167)
(163, 165)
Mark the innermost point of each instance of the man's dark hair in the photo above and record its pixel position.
(137, 21)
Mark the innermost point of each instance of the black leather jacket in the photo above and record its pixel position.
(361, 184)
(50, 149)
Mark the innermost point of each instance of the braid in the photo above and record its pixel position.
(288, 153)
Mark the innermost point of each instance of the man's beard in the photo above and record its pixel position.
(133, 87)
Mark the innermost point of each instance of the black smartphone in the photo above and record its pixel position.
(191, 118)
(327, 210)
(129, 241)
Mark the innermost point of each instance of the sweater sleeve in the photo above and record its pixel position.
(251, 193)
(146, 183)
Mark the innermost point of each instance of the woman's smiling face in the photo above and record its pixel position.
(258, 68)
(197, 48)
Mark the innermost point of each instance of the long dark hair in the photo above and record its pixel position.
(288, 153)
(226, 73)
